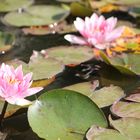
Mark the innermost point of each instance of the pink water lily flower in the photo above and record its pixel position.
(96, 31)
(14, 86)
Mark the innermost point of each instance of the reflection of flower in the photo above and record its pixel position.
(96, 31)
(14, 86)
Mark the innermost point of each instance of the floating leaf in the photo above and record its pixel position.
(99, 133)
(125, 2)
(64, 114)
(129, 127)
(102, 97)
(134, 97)
(11, 5)
(36, 15)
(42, 68)
(42, 83)
(107, 95)
(78, 9)
(126, 109)
(71, 55)
(125, 63)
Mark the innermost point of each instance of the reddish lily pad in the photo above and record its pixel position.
(129, 127)
(99, 133)
(126, 109)
(134, 97)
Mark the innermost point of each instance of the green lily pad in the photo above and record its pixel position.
(126, 109)
(125, 2)
(11, 5)
(129, 127)
(78, 9)
(99, 133)
(102, 97)
(36, 15)
(42, 68)
(107, 95)
(64, 115)
(125, 63)
(134, 97)
(71, 55)
(68, 1)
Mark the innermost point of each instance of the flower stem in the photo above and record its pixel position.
(3, 113)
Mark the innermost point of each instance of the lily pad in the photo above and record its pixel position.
(42, 68)
(70, 55)
(36, 15)
(125, 63)
(126, 109)
(81, 10)
(11, 5)
(134, 97)
(125, 2)
(99, 133)
(129, 127)
(64, 114)
(102, 97)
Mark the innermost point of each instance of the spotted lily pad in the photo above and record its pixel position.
(11, 5)
(125, 63)
(129, 127)
(64, 115)
(126, 109)
(102, 97)
(42, 68)
(70, 55)
(36, 15)
(99, 133)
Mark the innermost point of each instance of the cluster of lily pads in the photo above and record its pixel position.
(82, 110)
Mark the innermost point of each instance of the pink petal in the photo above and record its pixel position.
(111, 23)
(28, 77)
(75, 39)
(114, 34)
(18, 101)
(79, 24)
(101, 46)
(32, 91)
(19, 73)
(94, 17)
